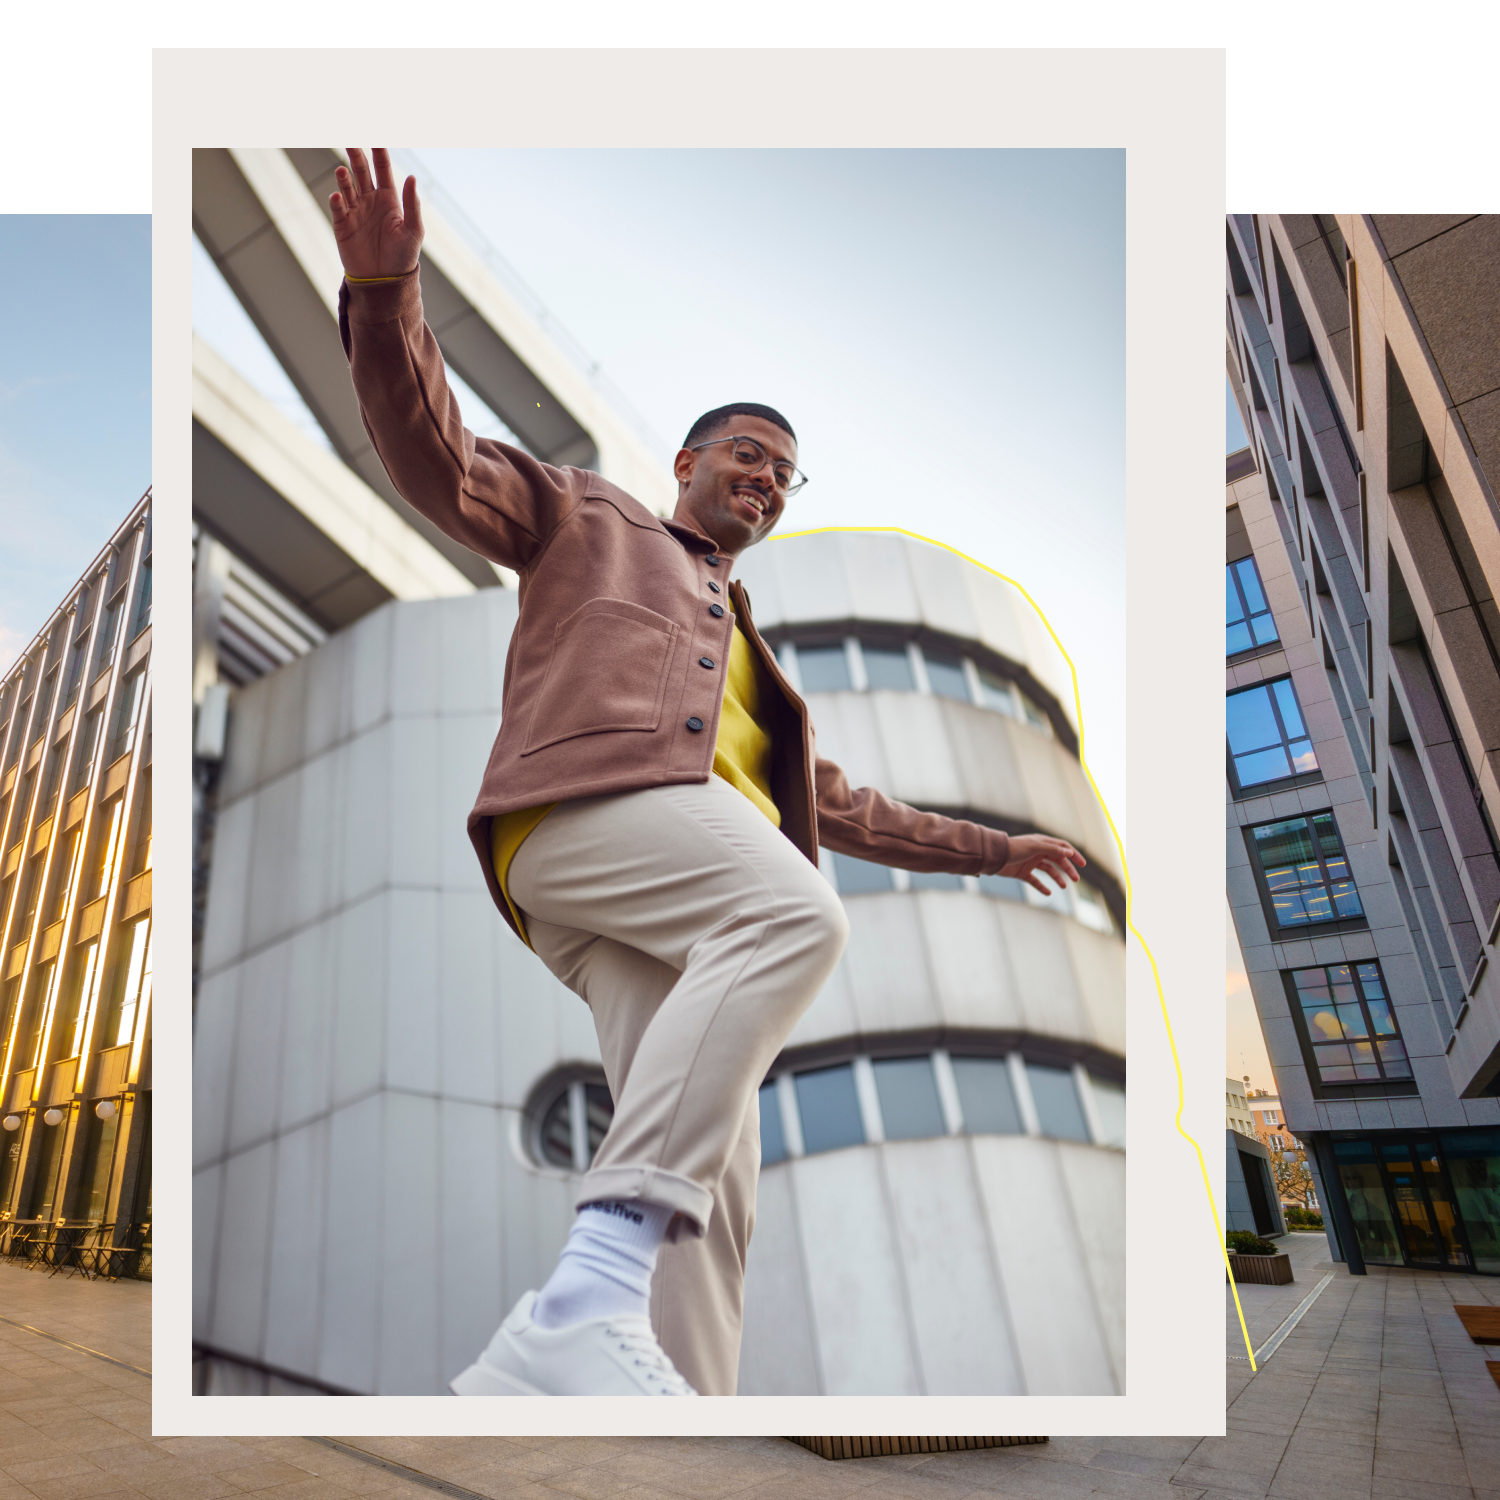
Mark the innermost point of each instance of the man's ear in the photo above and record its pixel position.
(684, 464)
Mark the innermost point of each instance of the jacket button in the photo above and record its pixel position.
(695, 725)
(705, 661)
(716, 610)
(714, 586)
(712, 561)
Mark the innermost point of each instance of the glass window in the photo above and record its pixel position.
(1089, 908)
(1003, 886)
(98, 1160)
(1267, 737)
(1109, 1105)
(123, 735)
(137, 994)
(557, 1133)
(829, 1107)
(909, 1105)
(1057, 1108)
(888, 669)
(1351, 1026)
(945, 676)
(936, 880)
(1249, 618)
(1474, 1166)
(1034, 716)
(141, 616)
(856, 877)
(824, 669)
(592, 1101)
(772, 1133)
(986, 1097)
(1306, 872)
(998, 694)
(75, 663)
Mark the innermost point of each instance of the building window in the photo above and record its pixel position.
(571, 1123)
(1267, 739)
(935, 880)
(823, 669)
(1350, 1025)
(1306, 872)
(985, 1096)
(1109, 1106)
(829, 1106)
(127, 712)
(909, 1104)
(945, 676)
(1249, 619)
(772, 1131)
(1058, 1110)
(859, 877)
(888, 670)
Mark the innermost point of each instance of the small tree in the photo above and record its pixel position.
(1294, 1181)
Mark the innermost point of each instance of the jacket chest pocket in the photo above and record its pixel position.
(608, 672)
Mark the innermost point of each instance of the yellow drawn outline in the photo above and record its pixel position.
(1119, 845)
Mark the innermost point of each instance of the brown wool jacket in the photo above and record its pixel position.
(603, 689)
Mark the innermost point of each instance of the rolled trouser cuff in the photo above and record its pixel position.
(686, 1198)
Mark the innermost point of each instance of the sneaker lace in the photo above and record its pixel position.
(651, 1359)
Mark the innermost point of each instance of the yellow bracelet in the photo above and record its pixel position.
(367, 280)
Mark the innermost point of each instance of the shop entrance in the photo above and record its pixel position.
(1401, 1202)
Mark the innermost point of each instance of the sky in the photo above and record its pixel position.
(945, 331)
(75, 402)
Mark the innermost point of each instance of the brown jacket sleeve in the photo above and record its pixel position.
(495, 499)
(869, 825)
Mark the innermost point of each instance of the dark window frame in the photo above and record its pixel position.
(1242, 792)
(1259, 648)
(1361, 1088)
(1331, 928)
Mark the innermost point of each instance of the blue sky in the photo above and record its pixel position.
(944, 329)
(75, 401)
(1235, 437)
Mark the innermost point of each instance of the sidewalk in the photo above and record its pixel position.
(1377, 1394)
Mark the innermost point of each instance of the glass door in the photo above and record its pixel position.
(1423, 1203)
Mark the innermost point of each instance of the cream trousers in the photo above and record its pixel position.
(697, 934)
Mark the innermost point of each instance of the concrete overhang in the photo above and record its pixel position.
(262, 216)
(298, 514)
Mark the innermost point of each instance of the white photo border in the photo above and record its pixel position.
(1166, 109)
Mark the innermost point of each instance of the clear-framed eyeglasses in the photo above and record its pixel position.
(752, 458)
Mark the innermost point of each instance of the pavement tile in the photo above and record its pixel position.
(1431, 1466)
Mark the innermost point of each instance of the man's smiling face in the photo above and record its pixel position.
(717, 497)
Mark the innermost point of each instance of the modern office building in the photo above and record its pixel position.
(75, 923)
(394, 1099)
(1363, 661)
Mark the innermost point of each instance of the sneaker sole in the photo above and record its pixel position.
(481, 1379)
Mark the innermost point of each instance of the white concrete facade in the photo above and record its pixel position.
(373, 1043)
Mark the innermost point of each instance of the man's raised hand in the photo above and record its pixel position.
(377, 234)
(1032, 854)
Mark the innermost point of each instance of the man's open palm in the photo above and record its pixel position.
(377, 233)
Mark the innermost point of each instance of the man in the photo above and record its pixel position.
(648, 824)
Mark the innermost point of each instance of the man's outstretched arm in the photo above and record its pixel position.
(495, 499)
(869, 825)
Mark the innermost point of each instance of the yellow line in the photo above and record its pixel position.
(1120, 846)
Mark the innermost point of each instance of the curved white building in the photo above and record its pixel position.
(393, 1097)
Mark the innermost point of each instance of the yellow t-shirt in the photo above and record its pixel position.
(742, 756)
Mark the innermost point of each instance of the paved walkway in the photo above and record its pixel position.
(1377, 1394)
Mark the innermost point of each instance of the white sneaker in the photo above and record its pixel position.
(603, 1357)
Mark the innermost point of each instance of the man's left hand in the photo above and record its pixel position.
(1035, 854)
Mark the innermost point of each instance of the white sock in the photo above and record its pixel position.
(605, 1268)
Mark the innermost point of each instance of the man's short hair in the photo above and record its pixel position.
(711, 421)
